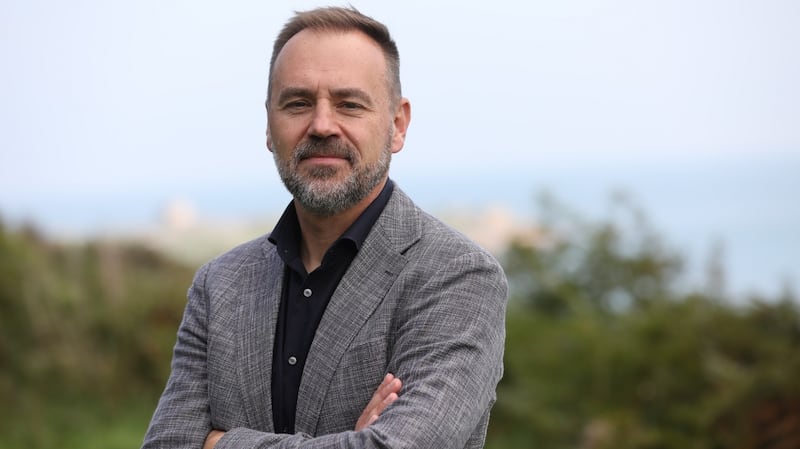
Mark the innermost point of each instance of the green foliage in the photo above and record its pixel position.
(86, 326)
(605, 349)
(605, 345)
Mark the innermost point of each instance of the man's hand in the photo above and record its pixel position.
(212, 438)
(384, 395)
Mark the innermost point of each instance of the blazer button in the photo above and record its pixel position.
(292, 360)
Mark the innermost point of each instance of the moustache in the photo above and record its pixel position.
(325, 148)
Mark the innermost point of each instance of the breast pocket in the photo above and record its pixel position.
(360, 372)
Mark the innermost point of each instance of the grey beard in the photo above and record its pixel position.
(317, 192)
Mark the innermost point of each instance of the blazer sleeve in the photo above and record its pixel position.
(448, 350)
(182, 418)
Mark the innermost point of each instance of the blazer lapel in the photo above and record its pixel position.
(362, 288)
(260, 295)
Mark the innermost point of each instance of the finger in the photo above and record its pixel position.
(385, 388)
(387, 380)
(379, 408)
(389, 400)
(378, 396)
(384, 395)
(376, 413)
(392, 386)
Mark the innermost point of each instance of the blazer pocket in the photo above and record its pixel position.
(358, 375)
(364, 360)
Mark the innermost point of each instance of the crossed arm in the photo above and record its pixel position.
(446, 344)
(385, 394)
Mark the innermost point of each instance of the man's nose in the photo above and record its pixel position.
(323, 122)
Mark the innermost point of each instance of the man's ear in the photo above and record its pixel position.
(269, 139)
(402, 118)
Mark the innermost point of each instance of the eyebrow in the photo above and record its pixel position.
(345, 92)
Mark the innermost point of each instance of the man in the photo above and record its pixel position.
(360, 321)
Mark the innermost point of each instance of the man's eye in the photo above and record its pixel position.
(296, 104)
(351, 105)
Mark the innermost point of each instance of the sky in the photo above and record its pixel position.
(109, 109)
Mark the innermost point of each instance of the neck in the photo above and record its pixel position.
(319, 232)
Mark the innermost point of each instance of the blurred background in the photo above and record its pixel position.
(633, 164)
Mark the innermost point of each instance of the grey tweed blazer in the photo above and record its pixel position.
(419, 301)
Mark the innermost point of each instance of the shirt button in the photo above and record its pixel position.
(292, 360)
(307, 293)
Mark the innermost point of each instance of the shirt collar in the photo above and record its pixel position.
(286, 234)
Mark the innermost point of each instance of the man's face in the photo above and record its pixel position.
(332, 125)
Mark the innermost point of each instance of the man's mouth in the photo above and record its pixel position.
(324, 156)
(330, 154)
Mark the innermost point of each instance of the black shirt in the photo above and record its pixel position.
(304, 298)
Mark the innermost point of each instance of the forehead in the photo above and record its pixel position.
(336, 57)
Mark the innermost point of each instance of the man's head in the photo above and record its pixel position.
(335, 115)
